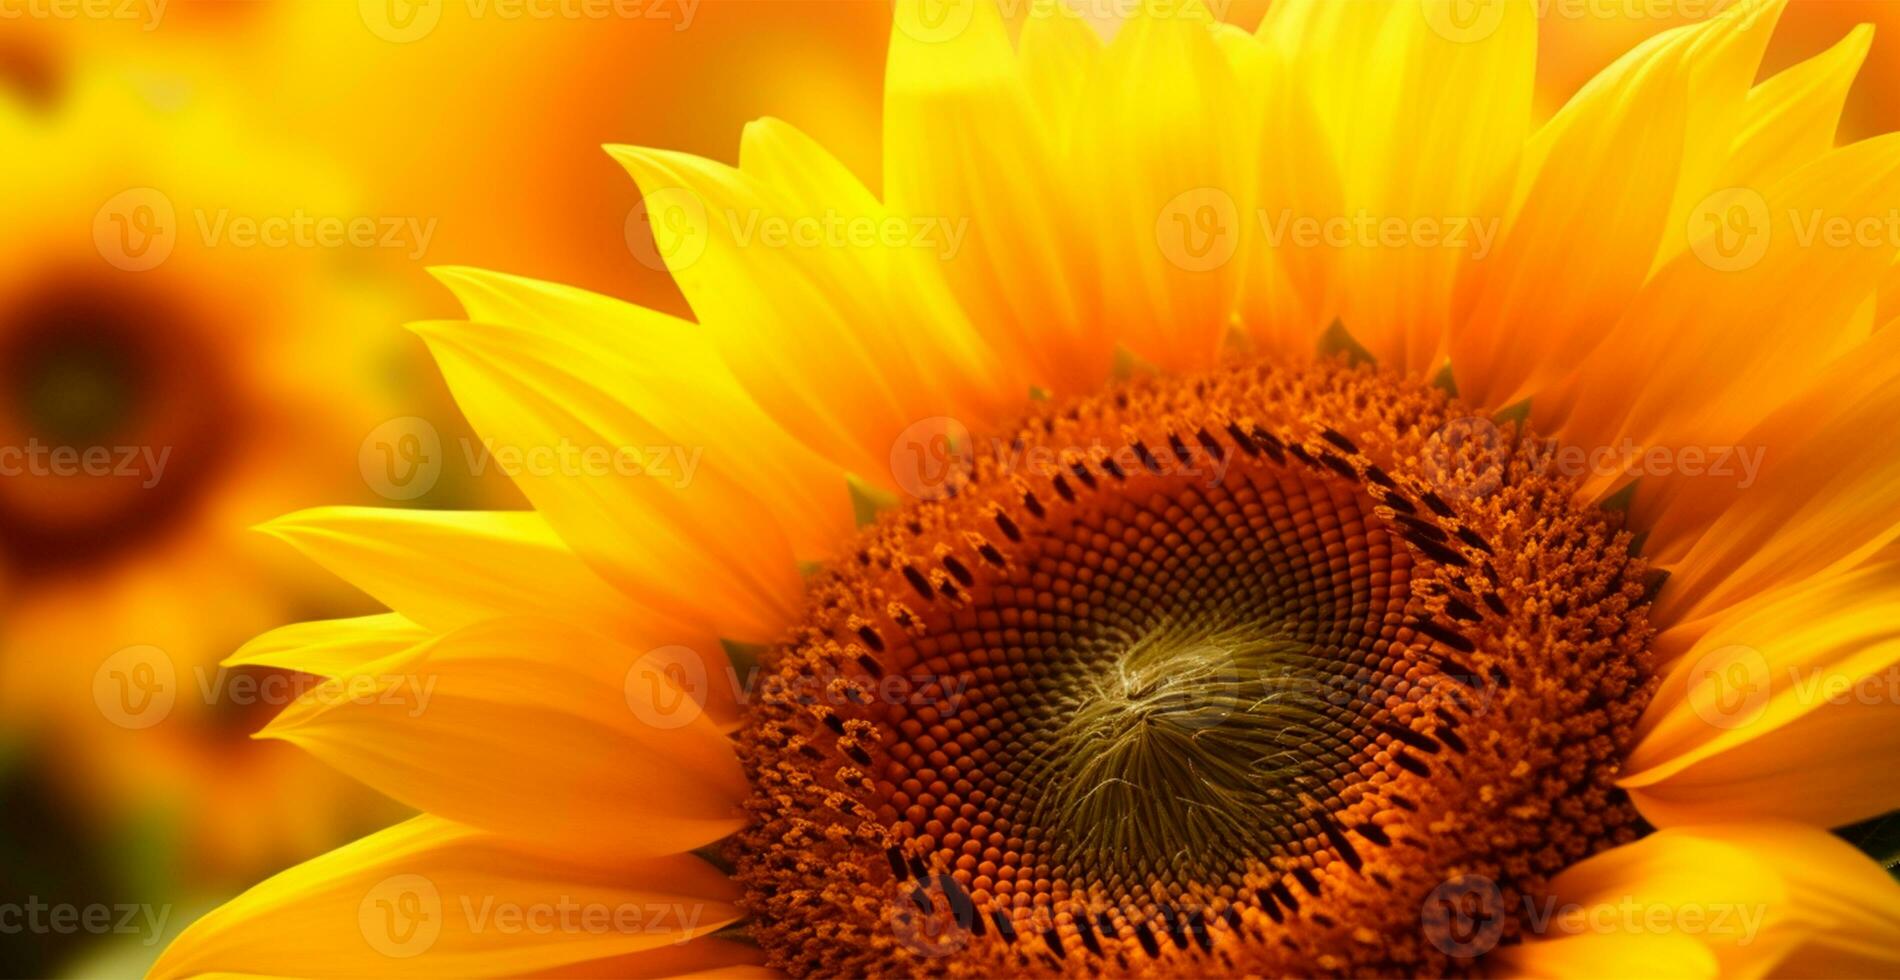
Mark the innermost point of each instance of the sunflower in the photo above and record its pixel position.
(155, 401)
(1231, 504)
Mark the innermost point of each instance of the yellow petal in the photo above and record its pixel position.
(896, 257)
(1793, 116)
(800, 294)
(1595, 955)
(431, 898)
(712, 957)
(535, 729)
(447, 569)
(1289, 289)
(1167, 219)
(1058, 51)
(1764, 302)
(1780, 710)
(970, 132)
(1759, 898)
(668, 372)
(330, 647)
(1813, 500)
(1424, 168)
(655, 518)
(1597, 187)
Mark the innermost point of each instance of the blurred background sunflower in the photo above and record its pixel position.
(219, 213)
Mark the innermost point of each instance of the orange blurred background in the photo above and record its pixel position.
(458, 132)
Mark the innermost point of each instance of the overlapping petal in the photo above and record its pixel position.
(431, 898)
(537, 730)
(1590, 221)
(1757, 899)
(1779, 710)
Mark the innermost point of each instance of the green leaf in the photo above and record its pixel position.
(867, 501)
(1337, 341)
(1519, 412)
(1128, 364)
(745, 657)
(711, 854)
(1444, 380)
(1620, 500)
(1879, 839)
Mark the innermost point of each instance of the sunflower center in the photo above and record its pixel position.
(1216, 674)
(113, 417)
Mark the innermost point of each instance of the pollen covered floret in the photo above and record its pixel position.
(1234, 672)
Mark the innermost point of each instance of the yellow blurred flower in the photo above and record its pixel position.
(166, 133)
(522, 182)
(184, 350)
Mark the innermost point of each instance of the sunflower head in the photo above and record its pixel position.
(1149, 536)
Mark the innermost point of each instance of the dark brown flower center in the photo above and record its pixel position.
(1220, 674)
(115, 414)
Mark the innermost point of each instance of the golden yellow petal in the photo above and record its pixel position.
(538, 730)
(965, 137)
(1165, 221)
(668, 373)
(817, 307)
(330, 647)
(1792, 117)
(1424, 167)
(1763, 898)
(1801, 496)
(653, 517)
(1775, 287)
(1595, 193)
(447, 569)
(431, 898)
(1779, 708)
